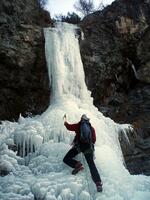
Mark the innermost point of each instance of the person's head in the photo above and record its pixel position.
(84, 117)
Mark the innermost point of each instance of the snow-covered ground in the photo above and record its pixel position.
(42, 175)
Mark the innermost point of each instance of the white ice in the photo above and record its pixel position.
(42, 175)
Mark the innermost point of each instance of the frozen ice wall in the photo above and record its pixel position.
(69, 93)
(70, 96)
(42, 174)
(64, 64)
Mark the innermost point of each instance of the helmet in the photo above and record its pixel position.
(84, 117)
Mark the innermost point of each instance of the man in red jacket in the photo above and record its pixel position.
(87, 148)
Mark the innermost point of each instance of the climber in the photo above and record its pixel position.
(83, 142)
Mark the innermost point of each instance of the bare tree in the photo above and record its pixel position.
(71, 18)
(85, 7)
(101, 6)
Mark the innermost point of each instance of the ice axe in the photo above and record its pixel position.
(64, 117)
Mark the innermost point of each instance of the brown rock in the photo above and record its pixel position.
(24, 82)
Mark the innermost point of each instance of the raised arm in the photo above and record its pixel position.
(71, 127)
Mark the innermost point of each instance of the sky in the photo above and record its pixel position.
(64, 6)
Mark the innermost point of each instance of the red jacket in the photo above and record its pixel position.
(76, 128)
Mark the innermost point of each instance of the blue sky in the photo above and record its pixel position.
(64, 6)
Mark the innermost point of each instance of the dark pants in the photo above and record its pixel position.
(68, 159)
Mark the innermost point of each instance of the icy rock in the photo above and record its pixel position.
(49, 196)
(5, 168)
(12, 147)
(10, 141)
(66, 194)
(84, 196)
(7, 164)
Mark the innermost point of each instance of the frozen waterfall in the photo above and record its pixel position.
(70, 96)
(69, 92)
(42, 174)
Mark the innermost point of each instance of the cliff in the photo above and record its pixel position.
(24, 83)
(115, 53)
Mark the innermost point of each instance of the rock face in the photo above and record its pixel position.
(115, 53)
(24, 83)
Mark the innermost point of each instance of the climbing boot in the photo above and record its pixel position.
(78, 167)
(99, 187)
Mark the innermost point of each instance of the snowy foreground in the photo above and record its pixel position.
(42, 175)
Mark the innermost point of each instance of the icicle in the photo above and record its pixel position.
(28, 138)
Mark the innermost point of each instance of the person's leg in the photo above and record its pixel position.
(68, 159)
(94, 172)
